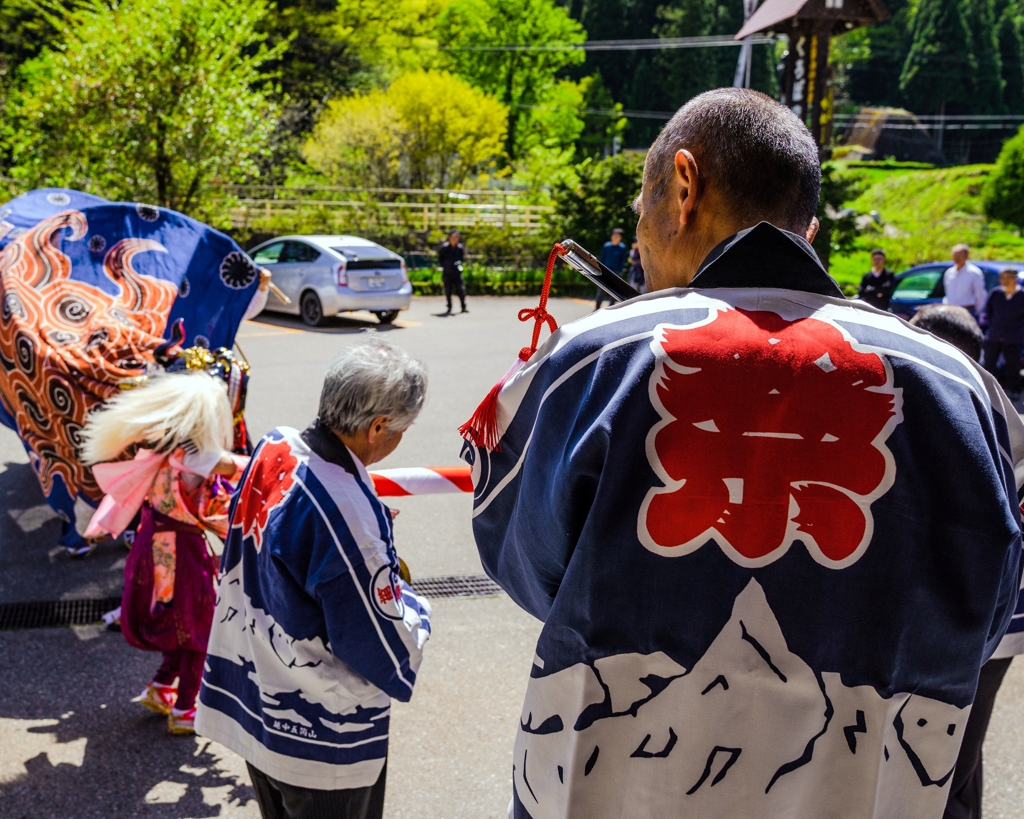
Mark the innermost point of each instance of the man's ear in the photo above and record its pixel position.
(377, 428)
(812, 229)
(691, 186)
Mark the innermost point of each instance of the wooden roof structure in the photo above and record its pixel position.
(854, 12)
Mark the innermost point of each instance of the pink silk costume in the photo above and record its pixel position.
(168, 596)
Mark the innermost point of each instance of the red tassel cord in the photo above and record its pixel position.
(482, 428)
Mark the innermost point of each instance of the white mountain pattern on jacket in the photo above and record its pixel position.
(750, 732)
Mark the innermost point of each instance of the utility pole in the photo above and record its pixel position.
(742, 77)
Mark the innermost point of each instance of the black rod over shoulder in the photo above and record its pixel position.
(589, 265)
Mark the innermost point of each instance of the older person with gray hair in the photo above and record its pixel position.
(772, 533)
(315, 629)
(964, 283)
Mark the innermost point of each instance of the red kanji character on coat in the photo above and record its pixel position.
(773, 431)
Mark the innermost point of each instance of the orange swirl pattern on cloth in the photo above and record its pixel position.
(66, 345)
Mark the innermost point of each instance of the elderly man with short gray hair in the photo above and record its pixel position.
(315, 630)
(772, 533)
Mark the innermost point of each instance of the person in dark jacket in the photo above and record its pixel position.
(1005, 313)
(636, 268)
(957, 326)
(878, 283)
(613, 256)
(450, 256)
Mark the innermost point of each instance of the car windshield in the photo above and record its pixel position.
(918, 285)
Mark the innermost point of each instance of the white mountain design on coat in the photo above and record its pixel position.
(750, 732)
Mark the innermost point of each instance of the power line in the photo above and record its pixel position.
(711, 41)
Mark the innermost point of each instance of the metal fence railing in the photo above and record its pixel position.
(252, 207)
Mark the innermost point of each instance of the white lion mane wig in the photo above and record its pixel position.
(166, 412)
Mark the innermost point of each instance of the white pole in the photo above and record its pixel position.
(741, 79)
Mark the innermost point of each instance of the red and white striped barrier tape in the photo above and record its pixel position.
(422, 480)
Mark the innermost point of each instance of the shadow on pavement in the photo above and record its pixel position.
(346, 323)
(33, 566)
(73, 745)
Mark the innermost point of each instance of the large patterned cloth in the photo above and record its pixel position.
(772, 534)
(88, 289)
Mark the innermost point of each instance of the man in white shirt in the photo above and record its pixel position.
(965, 283)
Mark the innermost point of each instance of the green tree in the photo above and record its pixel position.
(336, 47)
(472, 34)
(24, 30)
(601, 200)
(988, 81)
(940, 68)
(147, 99)
(837, 231)
(1011, 54)
(599, 129)
(687, 72)
(1003, 195)
(427, 130)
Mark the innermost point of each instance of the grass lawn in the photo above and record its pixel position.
(922, 213)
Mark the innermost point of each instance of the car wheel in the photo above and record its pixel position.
(386, 316)
(312, 310)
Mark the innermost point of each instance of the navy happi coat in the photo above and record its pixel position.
(772, 534)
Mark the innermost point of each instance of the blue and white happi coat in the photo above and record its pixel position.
(314, 632)
(772, 534)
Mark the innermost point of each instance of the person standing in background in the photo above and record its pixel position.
(964, 283)
(878, 283)
(1005, 313)
(636, 268)
(450, 256)
(955, 325)
(613, 256)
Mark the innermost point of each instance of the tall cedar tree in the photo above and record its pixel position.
(1011, 53)
(876, 80)
(664, 80)
(981, 19)
(940, 69)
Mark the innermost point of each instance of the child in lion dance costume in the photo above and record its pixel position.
(179, 428)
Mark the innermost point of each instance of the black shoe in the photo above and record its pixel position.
(465, 309)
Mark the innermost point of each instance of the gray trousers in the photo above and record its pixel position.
(279, 800)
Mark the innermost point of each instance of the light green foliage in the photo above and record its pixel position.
(428, 129)
(147, 100)
(388, 38)
(600, 201)
(1004, 189)
(522, 80)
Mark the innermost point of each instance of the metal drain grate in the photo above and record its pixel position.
(55, 613)
(79, 612)
(473, 585)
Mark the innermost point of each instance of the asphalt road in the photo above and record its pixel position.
(73, 745)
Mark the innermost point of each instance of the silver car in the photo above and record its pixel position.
(327, 275)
